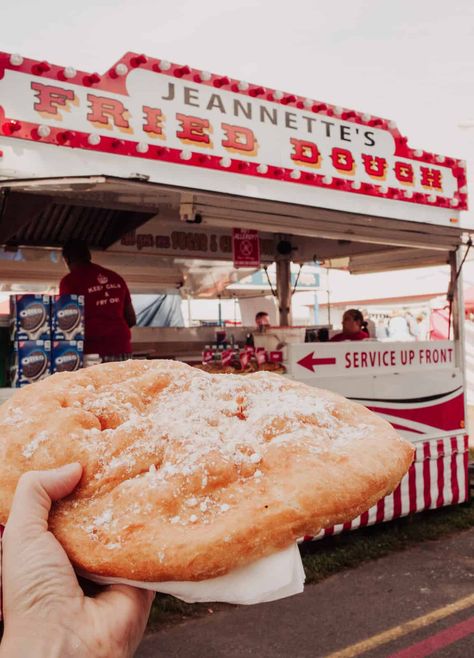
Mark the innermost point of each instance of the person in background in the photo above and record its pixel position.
(354, 326)
(262, 320)
(108, 309)
(46, 612)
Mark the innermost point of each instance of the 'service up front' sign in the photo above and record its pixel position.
(152, 109)
(358, 358)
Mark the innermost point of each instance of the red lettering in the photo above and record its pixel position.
(305, 152)
(238, 138)
(192, 129)
(342, 160)
(411, 355)
(348, 359)
(392, 358)
(129, 239)
(428, 356)
(363, 359)
(102, 110)
(374, 165)
(355, 358)
(431, 178)
(153, 117)
(50, 98)
(404, 172)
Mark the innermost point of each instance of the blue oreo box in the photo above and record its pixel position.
(31, 361)
(30, 317)
(67, 355)
(67, 317)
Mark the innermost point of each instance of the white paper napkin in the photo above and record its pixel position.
(270, 578)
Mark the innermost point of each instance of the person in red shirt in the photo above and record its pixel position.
(108, 309)
(354, 327)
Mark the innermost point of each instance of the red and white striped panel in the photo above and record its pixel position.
(437, 477)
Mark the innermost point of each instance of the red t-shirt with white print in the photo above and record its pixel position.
(105, 296)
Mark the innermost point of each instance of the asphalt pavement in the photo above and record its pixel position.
(414, 603)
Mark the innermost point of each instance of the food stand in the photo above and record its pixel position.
(156, 163)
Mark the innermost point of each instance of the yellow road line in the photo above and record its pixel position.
(403, 629)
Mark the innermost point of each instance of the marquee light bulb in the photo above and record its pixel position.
(92, 79)
(262, 168)
(278, 95)
(454, 203)
(432, 198)
(69, 72)
(257, 91)
(243, 86)
(308, 103)
(356, 185)
(383, 189)
(221, 82)
(182, 71)
(121, 69)
(164, 65)
(225, 162)
(185, 154)
(11, 127)
(409, 194)
(94, 140)
(327, 180)
(16, 60)
(366, 117)
(295, 174)
(44, 131)
(205, 76)
(142, 147)
(139, 59)
(418, 153)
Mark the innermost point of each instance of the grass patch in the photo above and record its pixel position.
(333, 554)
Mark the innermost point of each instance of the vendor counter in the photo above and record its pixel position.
(183, 343)
(419, 389)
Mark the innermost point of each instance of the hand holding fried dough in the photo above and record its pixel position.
(188, 475)
(46, 612)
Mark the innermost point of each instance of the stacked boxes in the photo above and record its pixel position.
(47, 334)
(31, 361)
(67, 317)
(30, 317)
(66, 355)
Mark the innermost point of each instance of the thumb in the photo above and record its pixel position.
(35, 492)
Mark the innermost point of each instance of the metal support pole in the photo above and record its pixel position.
(457, 308)
(283, 281)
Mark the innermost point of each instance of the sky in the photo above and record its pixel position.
(405, 60)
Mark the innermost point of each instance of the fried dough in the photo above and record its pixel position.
(188, 475)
